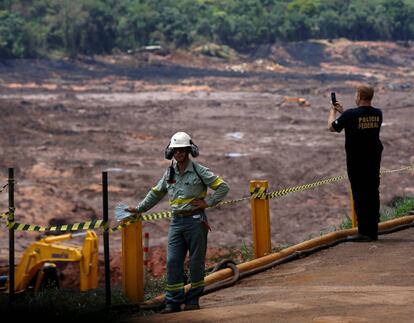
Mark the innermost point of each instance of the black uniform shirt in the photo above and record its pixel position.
(362, 126)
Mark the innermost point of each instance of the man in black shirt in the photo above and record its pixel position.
(363, 158)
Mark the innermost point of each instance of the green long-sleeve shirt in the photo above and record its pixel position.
(187, 187)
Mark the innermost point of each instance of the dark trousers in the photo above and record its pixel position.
(187, 234)
(365, 180)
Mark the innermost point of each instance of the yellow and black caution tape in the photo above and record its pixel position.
(4, 187)
(156, 216)
(304, 187)
(161, 215)
(397, 170)
(234, 201)
(127, 222)
(94, 224)
(4, 215)
(257, 193)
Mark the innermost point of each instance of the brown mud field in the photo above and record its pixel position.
(258, 116)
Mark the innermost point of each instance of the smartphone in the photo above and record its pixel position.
(333, 98)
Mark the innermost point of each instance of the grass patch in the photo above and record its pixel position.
(154, 287)
(238, 254)
(346, 224)
(398, 207)
(246, 252)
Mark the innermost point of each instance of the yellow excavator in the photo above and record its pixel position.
(37, 268)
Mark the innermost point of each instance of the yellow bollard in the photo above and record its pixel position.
(260, 220)
(354, 217)
(132, 262)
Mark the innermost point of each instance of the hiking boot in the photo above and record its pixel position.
(191, 307)
(170, 309)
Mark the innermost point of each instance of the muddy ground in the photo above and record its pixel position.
(260, 116)
(341, 284)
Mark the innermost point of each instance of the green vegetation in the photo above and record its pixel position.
(36, 28)
(239, 254)
(399, 206)
(154, 287)
(346, 224)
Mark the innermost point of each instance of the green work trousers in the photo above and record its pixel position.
(185, 234)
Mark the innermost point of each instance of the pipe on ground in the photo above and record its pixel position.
(290, 253)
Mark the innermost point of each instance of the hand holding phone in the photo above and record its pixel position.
(336, 105)
(333, 98)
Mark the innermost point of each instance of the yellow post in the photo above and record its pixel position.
(132, 262)
(260, 219)
(354, 217)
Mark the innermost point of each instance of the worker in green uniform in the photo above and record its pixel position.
(186, 183)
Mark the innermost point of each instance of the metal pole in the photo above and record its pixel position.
(11, 235)
(260, 219)
(106, 239)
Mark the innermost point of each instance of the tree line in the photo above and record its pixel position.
(48, 28)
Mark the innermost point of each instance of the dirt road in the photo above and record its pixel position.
(352, 282)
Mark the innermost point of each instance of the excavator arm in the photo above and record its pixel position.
(50, 250)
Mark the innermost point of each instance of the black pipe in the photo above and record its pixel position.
(11, 235)
(397, 228)
(106, 238)
(227, 263)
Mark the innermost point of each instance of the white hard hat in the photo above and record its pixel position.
(180, 139)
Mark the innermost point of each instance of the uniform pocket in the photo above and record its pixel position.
(196, 181)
